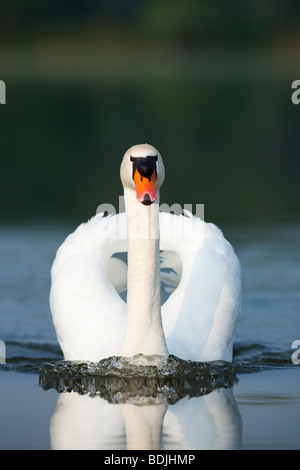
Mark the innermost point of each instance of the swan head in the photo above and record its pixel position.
(142, 170)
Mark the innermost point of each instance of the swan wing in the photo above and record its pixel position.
(200, 316)
(88, 314)
(170, 261)
(117, 274)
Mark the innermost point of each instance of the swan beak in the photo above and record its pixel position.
(145, 188)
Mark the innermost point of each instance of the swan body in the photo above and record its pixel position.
(192, 258)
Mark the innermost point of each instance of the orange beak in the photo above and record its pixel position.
(145, 188)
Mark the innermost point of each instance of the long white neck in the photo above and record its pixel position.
(144, 333)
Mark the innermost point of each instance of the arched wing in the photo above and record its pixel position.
(88, 314)
(200, 316)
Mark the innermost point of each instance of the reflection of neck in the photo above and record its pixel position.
(144, 333)
(144, 425)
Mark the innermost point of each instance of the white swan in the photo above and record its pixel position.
(197, 321)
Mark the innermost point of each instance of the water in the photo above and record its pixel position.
(252, 403)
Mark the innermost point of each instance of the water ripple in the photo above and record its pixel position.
(47, 359)
(139, 379)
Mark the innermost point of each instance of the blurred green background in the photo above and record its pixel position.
(206, 82)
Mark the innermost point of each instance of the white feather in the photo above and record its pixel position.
(200, 316)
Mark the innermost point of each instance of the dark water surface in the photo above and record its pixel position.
(253, 403)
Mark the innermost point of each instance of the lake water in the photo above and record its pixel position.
(255, 404)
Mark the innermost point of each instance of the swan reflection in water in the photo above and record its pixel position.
(118, 413)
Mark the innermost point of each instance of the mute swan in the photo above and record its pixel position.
(198, 320)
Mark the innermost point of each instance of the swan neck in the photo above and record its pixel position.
(144, 332)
